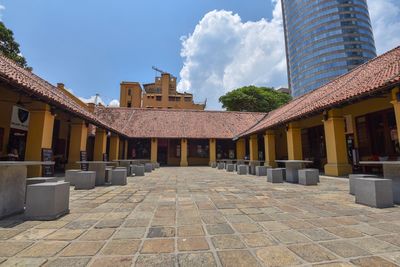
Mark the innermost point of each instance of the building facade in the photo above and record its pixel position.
(161, 94)
(325, 39)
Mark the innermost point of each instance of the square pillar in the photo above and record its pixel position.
(40, 135)
(100, 144)
(77, 142)
(295, 150)
(154, 150)
(114, 147)
(241, 148)
(269, 145)
(213, 150)
(254, 147)
(336, 148)
(396, 105)
(184, 149)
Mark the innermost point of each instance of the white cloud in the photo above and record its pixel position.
(385, 19)
(2, 8)
(114, 103)
(224, 53)
(92, 99)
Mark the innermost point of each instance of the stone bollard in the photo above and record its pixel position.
(213, 164)
(85, 180)
(118, 177)
(243, 169)
(230, 167)
(352, 181)
(221, 166)
(275, 175)
(308, 176)
(138, 170)
(70, 176)
(374, 192)
(261, 171)
(148, 167)
(47, 201)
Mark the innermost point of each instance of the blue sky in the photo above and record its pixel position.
(92, 46)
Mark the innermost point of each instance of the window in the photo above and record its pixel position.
(158, 98)
(129, 91)
(129, 104)
(188, 99)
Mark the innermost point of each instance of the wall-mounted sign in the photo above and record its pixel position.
(20, 118)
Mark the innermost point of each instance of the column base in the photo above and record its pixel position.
(184, 164)
(333, 169)
(271, 164)
(72, 166)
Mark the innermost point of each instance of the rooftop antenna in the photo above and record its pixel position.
(158, 70)
(96, 99)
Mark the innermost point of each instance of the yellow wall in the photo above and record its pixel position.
(253, 147)
(396, 105)
(135, 98)
(295, 151)
(213, 150)
(154, 150)
(241, 148)
(100, 144)
(269, 148)
(114, 147)
(184, 154)
(40, 134)
(77, 143)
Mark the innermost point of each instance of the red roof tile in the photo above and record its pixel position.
(169, 123)
(375, 75)
(36, 86)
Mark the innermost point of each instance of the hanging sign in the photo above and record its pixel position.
(20, 118)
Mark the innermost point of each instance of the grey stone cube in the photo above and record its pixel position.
(70, 176)
(38, 180)
(374, 192)
(243, 169)
(138, 170)
(213, 164)
(118, 177)
(221, 166)
(47, 201)
(85, 180)
(352, 181)
(275, 175)
(308, 176)
(261, 171)
(148, 167)
(230, 167)
(157, 165)
(100, 171)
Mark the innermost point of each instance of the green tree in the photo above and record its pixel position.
(254, 99)
(10, 48)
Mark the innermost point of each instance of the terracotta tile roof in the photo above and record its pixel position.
(170, 123)
(375, 75)
(35, 86)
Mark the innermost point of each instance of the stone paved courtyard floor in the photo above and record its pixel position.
(200, 216)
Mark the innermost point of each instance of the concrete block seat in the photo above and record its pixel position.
(47, 201)
(85, 180)
(38, 180)
(70, 176)
(261, 171)
(138, 170)
(275, 175)
(157, 165)
(213, 164)
(352, 181)
(308, 176)
(148, 167)
(118, 176)
(374, 192)
(230, 167)
(243, 169)
(221, 166)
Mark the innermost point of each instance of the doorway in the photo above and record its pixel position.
(162, 151)
(17, 140)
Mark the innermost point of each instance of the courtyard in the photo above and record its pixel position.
(199, 216)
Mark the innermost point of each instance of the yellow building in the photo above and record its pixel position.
(160, 94)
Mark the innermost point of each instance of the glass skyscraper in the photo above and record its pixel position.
(325, 39)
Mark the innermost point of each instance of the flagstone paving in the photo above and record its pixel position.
(199, 216)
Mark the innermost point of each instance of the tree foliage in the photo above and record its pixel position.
(254, 99)
(10, 48)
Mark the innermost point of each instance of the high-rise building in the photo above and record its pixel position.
(325, 39)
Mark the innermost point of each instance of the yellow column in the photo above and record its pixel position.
(241, 148)
(114, 147)
(126, 149)
(154, 147)
(77, 142)
(295, 150)
(184, 162)
(396, 106)
(100, 144)
(213, 150)
(40, 135)
(336, 149)
(254, 147)
(269, 145)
